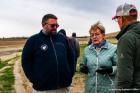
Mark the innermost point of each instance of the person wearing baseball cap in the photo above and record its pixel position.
(128, 49)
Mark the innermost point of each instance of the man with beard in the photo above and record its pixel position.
(48, 60)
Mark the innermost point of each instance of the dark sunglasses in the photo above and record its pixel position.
(53, 25)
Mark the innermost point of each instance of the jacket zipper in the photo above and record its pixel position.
(56, 60)
(97, 60)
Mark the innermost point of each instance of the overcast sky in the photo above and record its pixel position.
(23, 17)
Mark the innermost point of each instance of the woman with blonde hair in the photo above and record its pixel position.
(99, 62)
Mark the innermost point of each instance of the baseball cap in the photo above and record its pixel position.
(124, 10)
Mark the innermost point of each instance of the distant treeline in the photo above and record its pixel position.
(13, 38)
(83, 37)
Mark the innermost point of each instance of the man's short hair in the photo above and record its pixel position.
(62, 31)
(73, 34)
(48, 16)
(134, 16)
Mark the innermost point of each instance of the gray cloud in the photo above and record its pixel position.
(97, 6)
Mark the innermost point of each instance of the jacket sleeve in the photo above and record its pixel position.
(27, 59)
(77, 48)
(125, 69)
(114, 61)
(71, 58)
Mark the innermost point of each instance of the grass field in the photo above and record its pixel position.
(6, 73)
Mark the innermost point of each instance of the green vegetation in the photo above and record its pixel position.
(6, 75)
(81, 55)
(7, 81)
(112, 40)
(2, 64)
(78, 74)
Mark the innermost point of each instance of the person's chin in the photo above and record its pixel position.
(53, 32)
(96, 43)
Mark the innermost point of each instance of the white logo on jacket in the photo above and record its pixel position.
(44, 47)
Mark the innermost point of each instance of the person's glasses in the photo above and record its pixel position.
(53, 25)
(95, 34)
(117, 18)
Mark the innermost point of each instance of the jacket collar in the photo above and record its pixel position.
(124, 30)
(104, 45)
(44, 32)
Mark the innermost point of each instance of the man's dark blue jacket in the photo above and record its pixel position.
(48, 61)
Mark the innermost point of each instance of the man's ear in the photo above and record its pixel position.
(43, 24)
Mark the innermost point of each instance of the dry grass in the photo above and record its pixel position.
(11, 43)
(78, 83)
